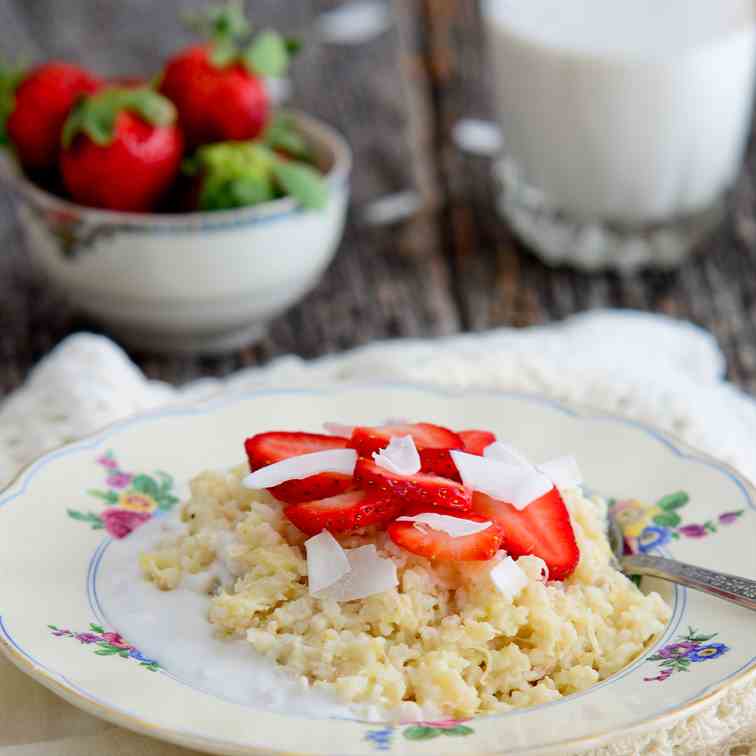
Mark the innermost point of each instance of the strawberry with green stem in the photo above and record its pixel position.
(122, 149)
(218, 87)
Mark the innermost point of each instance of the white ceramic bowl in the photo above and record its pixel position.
(203, 282)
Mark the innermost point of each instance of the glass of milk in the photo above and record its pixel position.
(624, 122)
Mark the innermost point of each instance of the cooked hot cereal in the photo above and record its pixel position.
(444, 639)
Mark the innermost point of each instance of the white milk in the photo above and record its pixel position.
(172, 628)
(634, 111)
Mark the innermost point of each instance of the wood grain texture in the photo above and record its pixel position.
(453, 266)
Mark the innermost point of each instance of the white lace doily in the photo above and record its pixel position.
(648, 367)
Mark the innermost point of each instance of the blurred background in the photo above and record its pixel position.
(425, 253)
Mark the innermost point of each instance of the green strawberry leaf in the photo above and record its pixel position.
(223, 52)
(667, 519)
(302, 182)
(282, 134)
(96, 115)
(267, 54)
(673, 501)
(10, 78)
(234, 174)
(219, 21)
(293, 46)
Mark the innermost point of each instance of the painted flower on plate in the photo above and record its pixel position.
(137, 502)
(652, 538)
(634, 517)
(119, 480)
(707, 652)
(120, 522)
(693, 531)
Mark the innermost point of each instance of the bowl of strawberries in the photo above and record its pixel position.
(186, 212)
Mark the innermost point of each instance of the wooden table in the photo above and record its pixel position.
(452, 266)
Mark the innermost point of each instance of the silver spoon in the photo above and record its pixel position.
(737, 590)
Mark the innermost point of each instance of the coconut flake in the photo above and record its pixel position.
(400, 456)
(341, 461)
(534, 567)
(508, 578)
(327, 562)
(337, 429)
(504, 481)
(507, 453)
(456, 527)
(368, 574)
(563, 471)
(529, 487)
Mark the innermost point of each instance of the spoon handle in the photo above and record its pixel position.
(737, 590)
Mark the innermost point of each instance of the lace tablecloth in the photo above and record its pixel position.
(648, 367)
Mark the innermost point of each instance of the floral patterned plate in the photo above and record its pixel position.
(61, 512)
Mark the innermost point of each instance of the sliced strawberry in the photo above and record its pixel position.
(476, 441)
(266, 448)
(420, 489)
(343, 513)
(542, 529)
(432, 441)
(435, 544)
(322, 486)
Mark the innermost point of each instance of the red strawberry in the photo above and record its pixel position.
(421, 489)
(121, 149)
(215, 104)
(38, 108)
(266, 448)
(542, 529)
(432, 441)
(434, 544)
(343, 513)
(476, 441)
(322, 486)
(218, 87)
